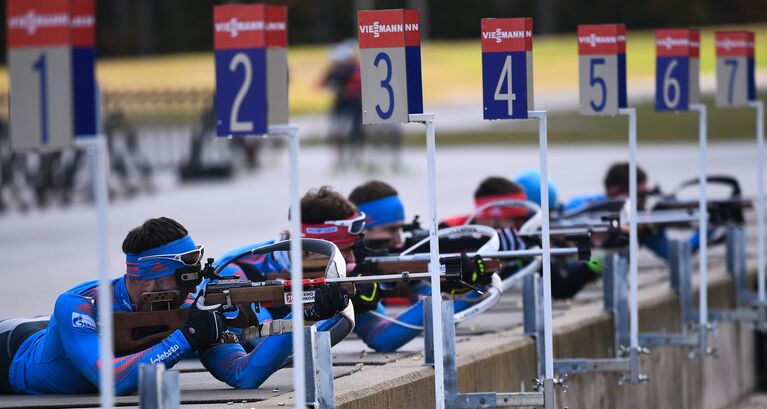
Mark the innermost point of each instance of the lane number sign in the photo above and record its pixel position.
(40, 65)
(239, 39)
(277, 64)
(83, 21)
(507, 67)
(735, 81)
(390, 59)
(602, 69)
(677, 69)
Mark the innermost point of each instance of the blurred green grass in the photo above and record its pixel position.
(652, 126)
(451, 70)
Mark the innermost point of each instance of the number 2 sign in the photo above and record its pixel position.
(40, 65)
(390, 59)
(507, 67)
(735, 81)
(239, 39)
(602, 68)
(677, 69)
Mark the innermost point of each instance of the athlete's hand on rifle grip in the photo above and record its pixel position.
(366, 296)
(473, 272)
(329, 300)
(203, 327)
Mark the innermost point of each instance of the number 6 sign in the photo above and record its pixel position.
(390, 57)
(677, 69)
(507, 67)
(239, 40)
(735, 82)
(602, 68)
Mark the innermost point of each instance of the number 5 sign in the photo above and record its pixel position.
(602, 68)
(735, 82)
(390, 59)
(40, 64)
(507, 67)
(239, 40)
(677, 69)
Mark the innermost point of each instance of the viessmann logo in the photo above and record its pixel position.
(500, 35)
(234, 27)
(729, 44)
(31, 21)
(593, 40)
(377, 28)
(165, 354)
(276, 26)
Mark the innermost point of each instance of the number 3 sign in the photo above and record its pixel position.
(735, 82)
(239, 39)
(602, 68)
(390, 59)
(677, 69)
(507, 67)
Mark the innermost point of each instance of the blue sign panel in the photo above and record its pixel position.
(241, 92)
(504, 85)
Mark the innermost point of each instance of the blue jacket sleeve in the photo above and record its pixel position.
(80, 339)
(230, 363)
(383, 335)
(657, 242)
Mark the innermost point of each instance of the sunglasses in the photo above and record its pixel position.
(354, 225)
(188, 258)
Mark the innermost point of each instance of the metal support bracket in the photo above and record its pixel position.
(158, 387)
(318, 371)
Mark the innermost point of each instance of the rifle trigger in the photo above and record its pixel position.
(228, 295)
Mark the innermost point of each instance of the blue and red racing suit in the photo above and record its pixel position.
(64, 357)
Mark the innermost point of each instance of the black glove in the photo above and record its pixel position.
(329, 300)
(473, 272)
(366, 296)
(203, 327)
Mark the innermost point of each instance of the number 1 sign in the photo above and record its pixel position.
(677, 69)
(735, 81)
(602, 68)
(239, 40)
(507, 67)
(40, 65)
(390, 59)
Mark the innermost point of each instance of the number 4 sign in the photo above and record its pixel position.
(677, 69)
(735, 81)
(40, 65)
(239, 39)
(602, 68)
(507, 67)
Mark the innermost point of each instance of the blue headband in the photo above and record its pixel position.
(383, 211)
(157, 268)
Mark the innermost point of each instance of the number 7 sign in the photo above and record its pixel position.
(507, 67)
(735, 82)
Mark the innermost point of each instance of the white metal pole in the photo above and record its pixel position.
(543, 149)
(434, 266)
(703, 217)
(104, 306)
(296, 273)
(633, 234)
(759, 107)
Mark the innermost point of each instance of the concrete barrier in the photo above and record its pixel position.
(505, 361)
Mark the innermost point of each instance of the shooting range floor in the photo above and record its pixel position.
(199, 389)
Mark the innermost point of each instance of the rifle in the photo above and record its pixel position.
(136, 331)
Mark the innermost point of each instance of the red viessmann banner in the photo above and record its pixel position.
(381, 28)
(601, 39)
(37, 23)
(238, 26)
(507, 34)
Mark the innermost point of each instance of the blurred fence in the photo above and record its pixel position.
(148, 131)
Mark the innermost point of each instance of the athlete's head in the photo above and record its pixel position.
(154, 253)
(495, 189)
(617, 183)
(530, 180)
(325, 214)
(384, 214)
